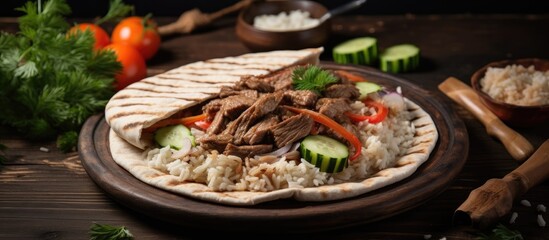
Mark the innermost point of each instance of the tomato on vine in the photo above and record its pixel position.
(139, 32)
(117, 10)
(101, 37)
(133, 64)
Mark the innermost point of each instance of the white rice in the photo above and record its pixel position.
(517, 85)
(383, 143)
(525, 203)
(292, 21)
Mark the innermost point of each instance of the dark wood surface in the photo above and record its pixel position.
(49, 195)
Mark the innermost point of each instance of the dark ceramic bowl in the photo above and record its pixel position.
(260, 40)
(520, 116)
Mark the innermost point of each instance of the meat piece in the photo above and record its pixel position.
(247, 150)
(215, 141)
(217, 124)
(258, 131)
(281, 80)
(231, 108)
(301, 98)
(254, 83)
(264, 105)
(342, 91)
(234, 105)
(292, 129)
(334, 108)
(229, 91)
(211, 108)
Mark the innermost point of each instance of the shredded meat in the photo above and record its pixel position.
(292, 129)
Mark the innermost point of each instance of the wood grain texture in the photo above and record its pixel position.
(41, 197)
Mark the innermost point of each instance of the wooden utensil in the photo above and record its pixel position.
(192, 19)
(516, 144)
(493, 200)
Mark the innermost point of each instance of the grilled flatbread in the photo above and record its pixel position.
(152, 99)
(156, 98)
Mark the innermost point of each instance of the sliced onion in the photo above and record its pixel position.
(278, 152)
(184, 150)
(394, 101)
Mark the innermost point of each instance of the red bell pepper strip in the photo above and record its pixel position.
(203, 124)
(350, 76)
(174, 121)
(328, 122)
(381, 113)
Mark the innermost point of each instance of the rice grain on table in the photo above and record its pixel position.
(541, 208)
(525, 203)
(541, 221)
(514, 216)
(516, 84)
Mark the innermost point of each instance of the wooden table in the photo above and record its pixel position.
(48, 195)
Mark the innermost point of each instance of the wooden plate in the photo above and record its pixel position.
(430, 179)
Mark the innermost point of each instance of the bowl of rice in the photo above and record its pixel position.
(282, 25)
(517, 91)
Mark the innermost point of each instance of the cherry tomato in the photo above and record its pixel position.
(142, 35)
(101, 36)
(133, 64)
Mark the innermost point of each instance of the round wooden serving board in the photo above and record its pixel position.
(288, 215)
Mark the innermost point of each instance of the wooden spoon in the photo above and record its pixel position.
(487, 204)
(516, 144)
(192, 19)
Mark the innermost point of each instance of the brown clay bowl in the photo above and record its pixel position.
(260, 40)
(519, 116)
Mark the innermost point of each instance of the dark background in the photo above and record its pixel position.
(87, 8)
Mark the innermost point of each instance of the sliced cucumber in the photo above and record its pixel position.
(399, 58)
(361, 51)
(173, 136)
(366, 88)
(326, 153)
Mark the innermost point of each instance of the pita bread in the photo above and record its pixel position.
(131, 158)
(150, 100)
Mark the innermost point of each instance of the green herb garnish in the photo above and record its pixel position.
(501, 233)
(50, 82)
(312, 78)
(117, 11)
(108, 232)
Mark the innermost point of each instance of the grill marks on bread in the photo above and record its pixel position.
(142, 104)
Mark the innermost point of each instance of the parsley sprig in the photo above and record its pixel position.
(50, 82)
(108, 232)
(312, 78)
(501, 232)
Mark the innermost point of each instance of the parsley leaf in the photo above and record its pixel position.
(312, 78)
(501, 233)
(107, 232)
(51, 82)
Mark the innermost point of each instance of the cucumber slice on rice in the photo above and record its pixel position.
(399, 58)
(327, 154)
(366, 88)
(362, 51)
(173, 136)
